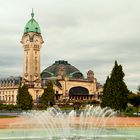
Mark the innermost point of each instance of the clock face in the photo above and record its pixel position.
(26, 39)
(36, 40)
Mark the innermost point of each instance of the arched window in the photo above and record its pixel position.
(78, 91)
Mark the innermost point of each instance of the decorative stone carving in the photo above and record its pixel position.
(90, 75)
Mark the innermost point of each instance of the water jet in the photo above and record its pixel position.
(93, 123)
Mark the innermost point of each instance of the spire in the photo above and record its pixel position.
(32, 14)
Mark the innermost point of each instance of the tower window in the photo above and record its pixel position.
(26, 64)
(36, 64)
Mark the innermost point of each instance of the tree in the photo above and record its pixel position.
(138, 89)
(24, 99)
(1, 105)
(48, 97)
(106, 97)
(115, 90)
(134, 99)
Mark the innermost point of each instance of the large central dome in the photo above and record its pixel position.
(61, 68)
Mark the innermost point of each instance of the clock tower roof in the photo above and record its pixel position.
(32, 25)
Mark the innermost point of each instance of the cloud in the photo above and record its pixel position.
(89, 34)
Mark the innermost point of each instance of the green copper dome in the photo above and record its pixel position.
(32, 25)
(61, 67)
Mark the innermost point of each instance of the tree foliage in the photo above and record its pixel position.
(24, 99)
(48, 97)
(138, 89)
(134, 99)
(106, 96)
(115, 91)
(9, 107)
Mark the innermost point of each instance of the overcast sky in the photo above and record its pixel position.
(89, 34)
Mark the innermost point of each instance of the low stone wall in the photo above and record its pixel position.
(22, 122)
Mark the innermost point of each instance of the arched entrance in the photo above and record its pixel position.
(78, 93)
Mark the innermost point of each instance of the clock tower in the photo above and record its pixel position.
(32, 42)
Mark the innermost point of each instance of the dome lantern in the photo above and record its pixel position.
(32, 14)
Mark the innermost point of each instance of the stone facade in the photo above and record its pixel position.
(69, 82)
(9, 89)
(32, 43)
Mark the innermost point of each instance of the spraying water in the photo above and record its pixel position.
(54, 124)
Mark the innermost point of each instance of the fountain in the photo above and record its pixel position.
(91, 124)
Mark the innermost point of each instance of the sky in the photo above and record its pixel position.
(89, 34)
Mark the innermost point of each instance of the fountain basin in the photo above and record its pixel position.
(92, 124)
(73, 134)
